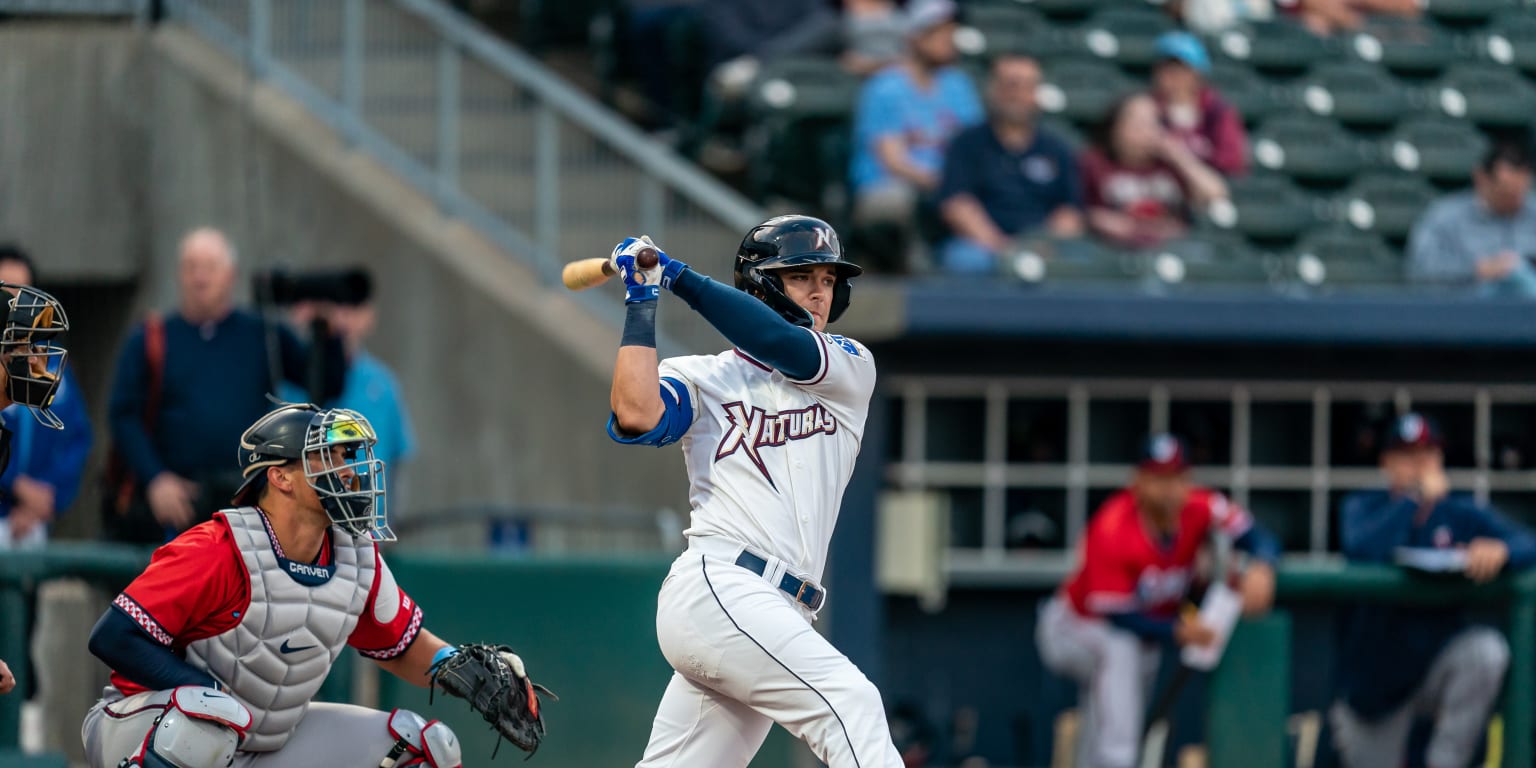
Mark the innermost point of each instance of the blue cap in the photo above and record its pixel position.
(1184, 47)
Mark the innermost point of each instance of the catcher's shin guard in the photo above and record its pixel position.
(200, 728)
(421, 742)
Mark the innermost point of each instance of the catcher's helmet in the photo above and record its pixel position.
(32, 345)
(342, 469)
(792, 241)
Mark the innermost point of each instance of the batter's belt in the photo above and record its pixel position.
(804, 591)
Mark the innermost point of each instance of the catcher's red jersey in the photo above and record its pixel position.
(197, 587)
(1124, 570)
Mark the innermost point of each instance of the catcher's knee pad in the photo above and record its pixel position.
(421, 742)
(200, 728)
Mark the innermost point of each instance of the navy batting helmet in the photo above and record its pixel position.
(792, 241)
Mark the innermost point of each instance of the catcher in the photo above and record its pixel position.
(217, 648)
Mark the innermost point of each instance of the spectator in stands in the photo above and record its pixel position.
(1141, 182)
(1211, 16)
(1399, 662)
(1485, 236)
(1007, 177)
(741, 34)
(906, 116)
(370, 387)
(44, 474)
(174, 418)
(1192, 110)
(1325, 17)
(874, 35)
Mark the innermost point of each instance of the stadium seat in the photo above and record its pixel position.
(1441, 150)
(1277, 46)
(1404, 45)
(1081, 90)
(1210, 257)
(1262, 208)
(1466, 11)
(797, 105)
(1343, 257)
(1486, 94)
(1306, 148)
(1388, 204)
(1254, 97)
(1126, 34)
(1354, 93)
(1056, 260)
(1064, 130)
(1065, 9)
(1511, 40)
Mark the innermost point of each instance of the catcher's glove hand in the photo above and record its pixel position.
(491, 678)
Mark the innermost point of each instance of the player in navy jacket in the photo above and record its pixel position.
(1402, 662)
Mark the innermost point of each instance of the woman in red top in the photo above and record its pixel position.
(1140, 181)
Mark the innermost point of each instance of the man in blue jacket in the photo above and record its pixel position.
(44, 474)
(1400, 663)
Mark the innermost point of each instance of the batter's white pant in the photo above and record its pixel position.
(1458, 692)
(1114, 670)
(329, 736)
(746, 657)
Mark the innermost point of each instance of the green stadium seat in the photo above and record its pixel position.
(798, 108)
(1056, 260)
(1262, 208)
(1306, 148)
(1343, 257)
(1354, 93)
(1210, 258)
(1511, 40)
(1065, 9)
(1254, 97)
(1441, 150)
(1065, 131)
(1467, 11)
(1404, 45)
(1126, 34)
(1081, 90)
(1486, 94)
(1388, 204)
(1276, 46)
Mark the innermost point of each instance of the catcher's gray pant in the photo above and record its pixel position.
(1458, 692)
(1114, 671)
(329, 736)
(746, 657)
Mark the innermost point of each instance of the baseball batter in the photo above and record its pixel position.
(770, 431)
(1105, 626)
(219, 646)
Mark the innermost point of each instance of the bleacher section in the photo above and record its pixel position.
(1351, 136)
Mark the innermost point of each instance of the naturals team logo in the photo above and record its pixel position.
(753, 429)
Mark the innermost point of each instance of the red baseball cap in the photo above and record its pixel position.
(1163, 453)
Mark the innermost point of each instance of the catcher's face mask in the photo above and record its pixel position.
(32, 351)
(340, 466)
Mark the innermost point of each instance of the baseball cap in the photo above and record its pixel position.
(1163, 453)
(1411, 430)
(1182, 46)
(923, 15)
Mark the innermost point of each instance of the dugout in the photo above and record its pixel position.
(1021, 410)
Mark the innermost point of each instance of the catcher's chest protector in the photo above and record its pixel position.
(276, 658)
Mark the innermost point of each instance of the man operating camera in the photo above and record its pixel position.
(187, 384)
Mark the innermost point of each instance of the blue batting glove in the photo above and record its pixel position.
(639, 284)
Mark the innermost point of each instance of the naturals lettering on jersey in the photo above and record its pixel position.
(753, 429)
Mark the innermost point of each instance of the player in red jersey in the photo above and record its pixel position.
(219, 647)
(1106, 625)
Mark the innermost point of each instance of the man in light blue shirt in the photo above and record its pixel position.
(906, 116)
(1485, 236)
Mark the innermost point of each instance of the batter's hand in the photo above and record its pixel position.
(1258, 589)
(641, 283)
(1485, 558)
(1190, 631)
(7, 680)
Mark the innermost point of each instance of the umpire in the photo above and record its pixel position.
(1400, 663)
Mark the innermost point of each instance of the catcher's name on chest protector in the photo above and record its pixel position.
(298, 621)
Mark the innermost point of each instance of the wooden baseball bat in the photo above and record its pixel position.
(587, 273)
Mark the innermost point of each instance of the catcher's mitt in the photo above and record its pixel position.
(492, 680)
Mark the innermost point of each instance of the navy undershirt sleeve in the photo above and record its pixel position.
(1260, 543)
(1143, 626)
(751, 325)
(119, 642)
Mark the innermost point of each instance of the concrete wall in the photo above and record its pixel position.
(118, 140)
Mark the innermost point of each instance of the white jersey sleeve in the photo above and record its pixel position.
(846, 378)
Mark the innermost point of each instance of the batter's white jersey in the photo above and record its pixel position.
(768, 456)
